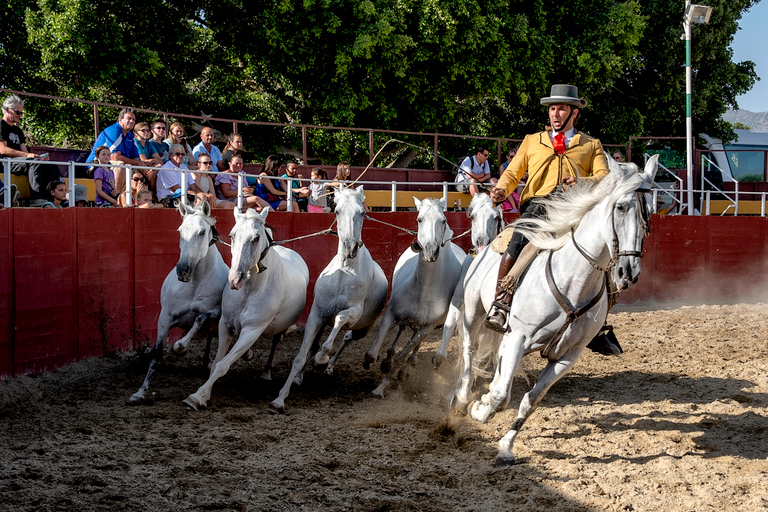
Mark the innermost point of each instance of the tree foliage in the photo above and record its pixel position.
(457, 66)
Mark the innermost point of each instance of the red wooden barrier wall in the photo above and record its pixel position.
(84, 282)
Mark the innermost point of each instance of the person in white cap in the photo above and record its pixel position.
(556, 156)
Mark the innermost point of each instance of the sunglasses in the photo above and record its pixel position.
(205, 162)
(144, 130)
(485, 155)
(159, 128)
(178, 154)
(17, 112)
(137, 179)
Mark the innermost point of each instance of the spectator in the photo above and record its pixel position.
(226, 184)
(158, 134)
(318, 200)
(139, 183)
(56, 194)
(119, 139)
(234, 147)
(205, 183)
(81, 196)
(298, 192)
(618, 156)
(269, 190)
(169, 177)
(206, 147)
(473, 171)
(147, 149)
(179, 136)
(13, 144)
(343, 171)
(509, 156)
(144, 200)
(104, 180)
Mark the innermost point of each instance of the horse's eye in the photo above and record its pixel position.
(621, 207)
(201, 233)
(418, 220)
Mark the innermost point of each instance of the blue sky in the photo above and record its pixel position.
(749, 44)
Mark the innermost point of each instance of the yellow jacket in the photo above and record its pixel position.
(546, 169)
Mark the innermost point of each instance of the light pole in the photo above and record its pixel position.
(699, 15)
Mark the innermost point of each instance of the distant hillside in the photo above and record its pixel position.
(757, 121)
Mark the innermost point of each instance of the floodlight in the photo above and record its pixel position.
(698, 14)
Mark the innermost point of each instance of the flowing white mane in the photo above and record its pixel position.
(477, 201)
(565, 209)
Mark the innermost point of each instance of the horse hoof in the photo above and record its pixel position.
(504, 461)
(321, 359)
(369, 360)
(437, 361)
(193, 403)
(329, 370)
(138, 398)
(266, 375)
(275, 409)
(179, 350)
(379, 392)
(248, 355)
(386, 365)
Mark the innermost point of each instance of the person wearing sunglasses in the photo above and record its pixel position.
(13, 144)
(473, 171)
(205, 183)
(169, 178)
(159, 130)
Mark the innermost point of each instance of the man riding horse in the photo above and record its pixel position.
(557, 156)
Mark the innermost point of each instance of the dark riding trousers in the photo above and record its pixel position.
(531, 209)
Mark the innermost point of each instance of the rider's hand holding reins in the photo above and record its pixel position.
(498, 195)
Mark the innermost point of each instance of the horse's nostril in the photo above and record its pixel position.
(621, 272)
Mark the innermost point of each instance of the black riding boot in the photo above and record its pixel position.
(497, 316)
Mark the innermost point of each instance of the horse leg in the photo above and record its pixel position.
(164, 325)
(247, 338)
(449, 327)
(412, 347)
(181, 347)
(373, 353)
(207, 354)
(554, 371)
(312, 331)
(386, 364)
(498, 394)
(267, 373)
(225, 340)
(346, 317)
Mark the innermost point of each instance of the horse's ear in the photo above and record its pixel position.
(613, 165)
(237, 213)
(417, 202)
(443, 204)
(651, 168)
(264, 213)
(183, 210)
(360, 191)
(206, 208)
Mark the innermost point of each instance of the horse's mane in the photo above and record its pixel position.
(477, 201)
(198, 210)
(349, 192)
(252, 214)
(565, 209)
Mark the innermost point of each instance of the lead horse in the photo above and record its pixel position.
(349, 293)
(191, 294)
(562, 302)
(267, 293)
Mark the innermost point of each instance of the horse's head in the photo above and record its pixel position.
(487, 221)
(349, 219)
(196, 234)
(433, 227)
(630, 219)
(249, 244)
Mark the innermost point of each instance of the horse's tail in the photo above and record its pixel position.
(486, 353)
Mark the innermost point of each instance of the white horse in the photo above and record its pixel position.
(562, 301)
(268, 290)
(422, 286)
(349, 293)
(191, 294)
(487, 223)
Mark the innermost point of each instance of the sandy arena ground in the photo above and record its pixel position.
(677, 423)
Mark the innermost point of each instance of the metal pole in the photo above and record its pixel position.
(394, 197)
(304, 145)
(72, 199)
(688, 110)
(240, 190)
(445, 193)
(183, 188)
(7, 182)
(289, 194)
(370, 146)
(128, 188)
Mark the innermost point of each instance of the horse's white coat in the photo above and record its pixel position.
(535, 315)
(257, 302)
(487, 223)
(191, 294)
(350, 292)
(422, 286)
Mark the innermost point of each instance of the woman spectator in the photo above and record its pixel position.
(343, 173)
(206, 185)
(104, 179)
(148, 152)
(56, 193)
(269, 190)
(509, 156)
(234, 147)
(177, 135)
(139, 183)
(226, 187)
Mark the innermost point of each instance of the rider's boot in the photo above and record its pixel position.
(497, 316)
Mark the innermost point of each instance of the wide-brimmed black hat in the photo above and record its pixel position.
(564, 93)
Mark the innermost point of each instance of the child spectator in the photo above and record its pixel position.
(144, 200)
(104, 179)
(226, 186)
(56, 193)
(318, 201)
(269, 190)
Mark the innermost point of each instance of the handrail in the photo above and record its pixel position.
(710, 164)
(661, 189)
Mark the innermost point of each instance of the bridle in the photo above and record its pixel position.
(644, 220)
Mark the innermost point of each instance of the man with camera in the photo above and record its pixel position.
(121, 143)
(13, 144)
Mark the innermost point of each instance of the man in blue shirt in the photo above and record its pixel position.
(206, 146)
(119, 139)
